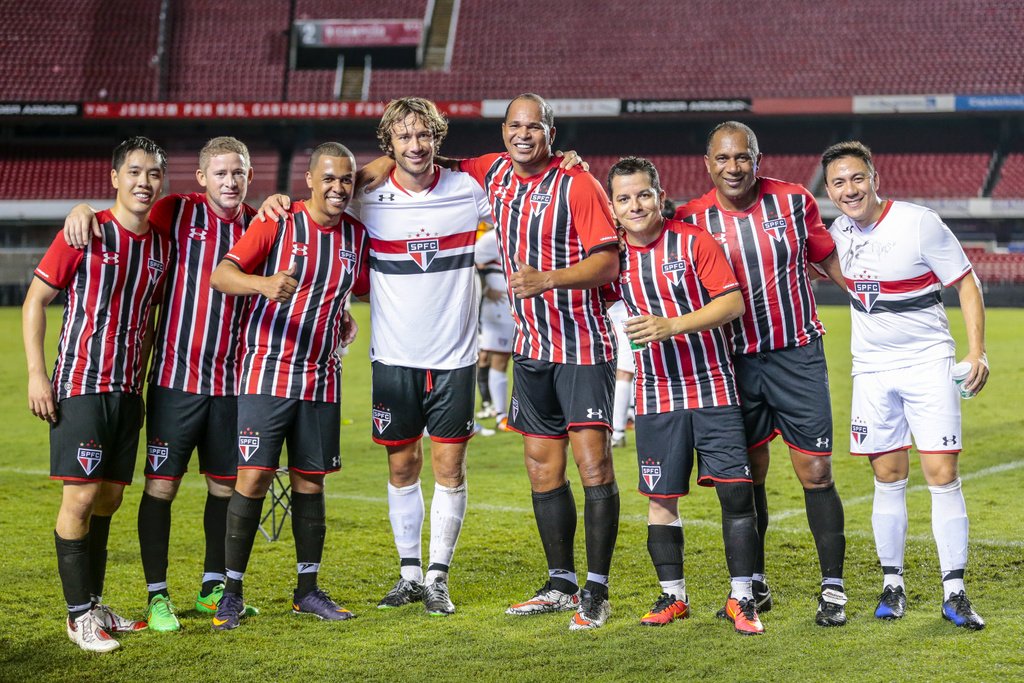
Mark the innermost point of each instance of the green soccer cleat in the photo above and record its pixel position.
(160, 615)
(207, 604)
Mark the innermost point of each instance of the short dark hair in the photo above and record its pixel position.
(138, 142)
(734, 127)
(630, 165)
(547, 114)
(849, 148)
(331, 149)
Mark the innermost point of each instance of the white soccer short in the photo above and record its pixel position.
(891, 405)
(625, 361)
(496, 326)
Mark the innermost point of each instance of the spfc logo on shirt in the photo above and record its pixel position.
(774, 228)
(300, 249)
(347, 258)
(650, 472)
(248, 443)
(89, 458)
(674, 271)
(157, 455)
(381, 419)
(858, 431)
(867, 292)
(155, 266)
(423, 251)
(539, 201)
(111, 258)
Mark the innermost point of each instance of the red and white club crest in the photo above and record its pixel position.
(381, 419)
(157, 455)
(347, 258)
(650, 472)
(539, 201)
(248, 445)
(774, 228)
(423, 251)
(89, 458)
(858, 431)
(867, 292)
(674, 271)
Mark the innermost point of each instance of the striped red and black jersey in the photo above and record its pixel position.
(290, 349)
(550, 221)
(678, 273)
(769, 246)
(198, 339)
(110, 286)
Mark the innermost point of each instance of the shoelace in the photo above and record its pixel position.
(748, 610)
(663, 602)
(961, 604)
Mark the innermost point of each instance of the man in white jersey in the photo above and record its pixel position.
(497, 327)
(422, 224)
(895, 258)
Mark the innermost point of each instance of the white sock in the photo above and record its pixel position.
(889, 522)
(447, 511)
(741, 588)
(950, 527)
(620, 409)
(497, 382)
(405, 508)
(677, 589)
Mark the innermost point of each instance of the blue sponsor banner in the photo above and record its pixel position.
(989, 102)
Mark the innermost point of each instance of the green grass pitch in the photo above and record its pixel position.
(499, 560)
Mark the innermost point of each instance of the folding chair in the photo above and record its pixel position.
(280, 505)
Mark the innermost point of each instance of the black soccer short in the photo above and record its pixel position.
(548, 399)
(311, 429)
(407, 400)
(96, 438)
(178, 422)
(665, 443)
(786, 391)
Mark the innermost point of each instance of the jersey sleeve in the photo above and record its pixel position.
(713, 269)
(254, 246)
(161, 216)
(483, 205)
(819, 242)
(940, 250)
(591, 214)
(477, 167)
(59, 263)
(361, 287)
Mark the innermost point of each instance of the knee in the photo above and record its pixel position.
(405, 467)
(218, 489)
(253, 483)
(816, 472)
(450, 469)
(736, 499)
(108, 501)
(306, 483)
(162, 488)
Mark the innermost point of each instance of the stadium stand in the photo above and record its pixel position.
(1011, 177)
(181, 172)
(42, 175)
(360, 9)
(931, 175)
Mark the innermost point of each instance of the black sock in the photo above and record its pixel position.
(483, 383)
(601, 523)
(309, 526)
(665, 545)
(761, 510)
(154, 539)
(243, 520)
(739, 527)
(99, 532)
(73, 567)
(555, 512)
(826, 519)
(215, 522)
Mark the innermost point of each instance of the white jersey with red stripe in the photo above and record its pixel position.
(110, 286)
(424, 291)
(680, 272)
(895, 270)
(551, 221)
(198, 340)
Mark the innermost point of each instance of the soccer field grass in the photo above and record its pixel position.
(499, 560)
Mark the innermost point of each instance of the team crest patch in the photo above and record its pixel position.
(155, 265)
(539, 201)
(515, 408)
(248, 443)
(858, 431)
(423, 250)
(674, 271)
(347, 258)
(381, 418)
(156, 453)
(650, 472)
(90, 454)
(867, 292)
(774, 228)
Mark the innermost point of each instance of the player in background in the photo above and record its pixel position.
(771, 231)
(497, 328)
(679, 290)
(896, 257)
(93, 402)
(299, 271)
(193, 387)
(625, 370)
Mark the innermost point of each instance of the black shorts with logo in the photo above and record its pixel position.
(407, 400)
(786, 392)
(311, 429)
(665, 443)
(548, 399)
(96, 438)
(178, 422)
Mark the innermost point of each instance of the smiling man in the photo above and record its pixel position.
(300, 271)
(896, 257)
(93, 402)
(771, 230)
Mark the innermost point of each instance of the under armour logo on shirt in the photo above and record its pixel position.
(599, 414)
(949, 440)
(822, 442)
(390, 196)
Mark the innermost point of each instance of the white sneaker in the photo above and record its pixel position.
(546, 600)
(486, 411)
(88, 634)
(113, 623)
(592, 612)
